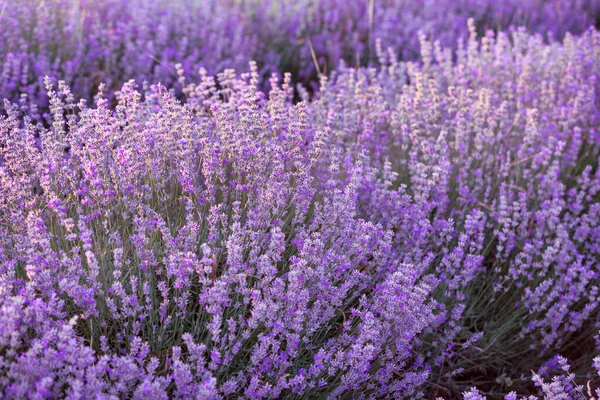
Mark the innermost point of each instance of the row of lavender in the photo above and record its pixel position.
(87, 42)
(417, 228)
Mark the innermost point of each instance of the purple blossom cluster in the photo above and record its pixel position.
(486, 170)
(151, 251)
(87, 42)
(419, 229)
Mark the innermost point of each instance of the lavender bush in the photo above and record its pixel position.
(141, 229)
(486, 170)
(422, 229)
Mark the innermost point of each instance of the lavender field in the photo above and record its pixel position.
(300, 199)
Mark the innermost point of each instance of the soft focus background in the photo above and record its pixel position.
(85, 43)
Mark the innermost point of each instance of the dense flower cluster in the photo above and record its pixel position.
(150, 228)
(486, 170)
(488, 175)
(87, 42)
(425, 229)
